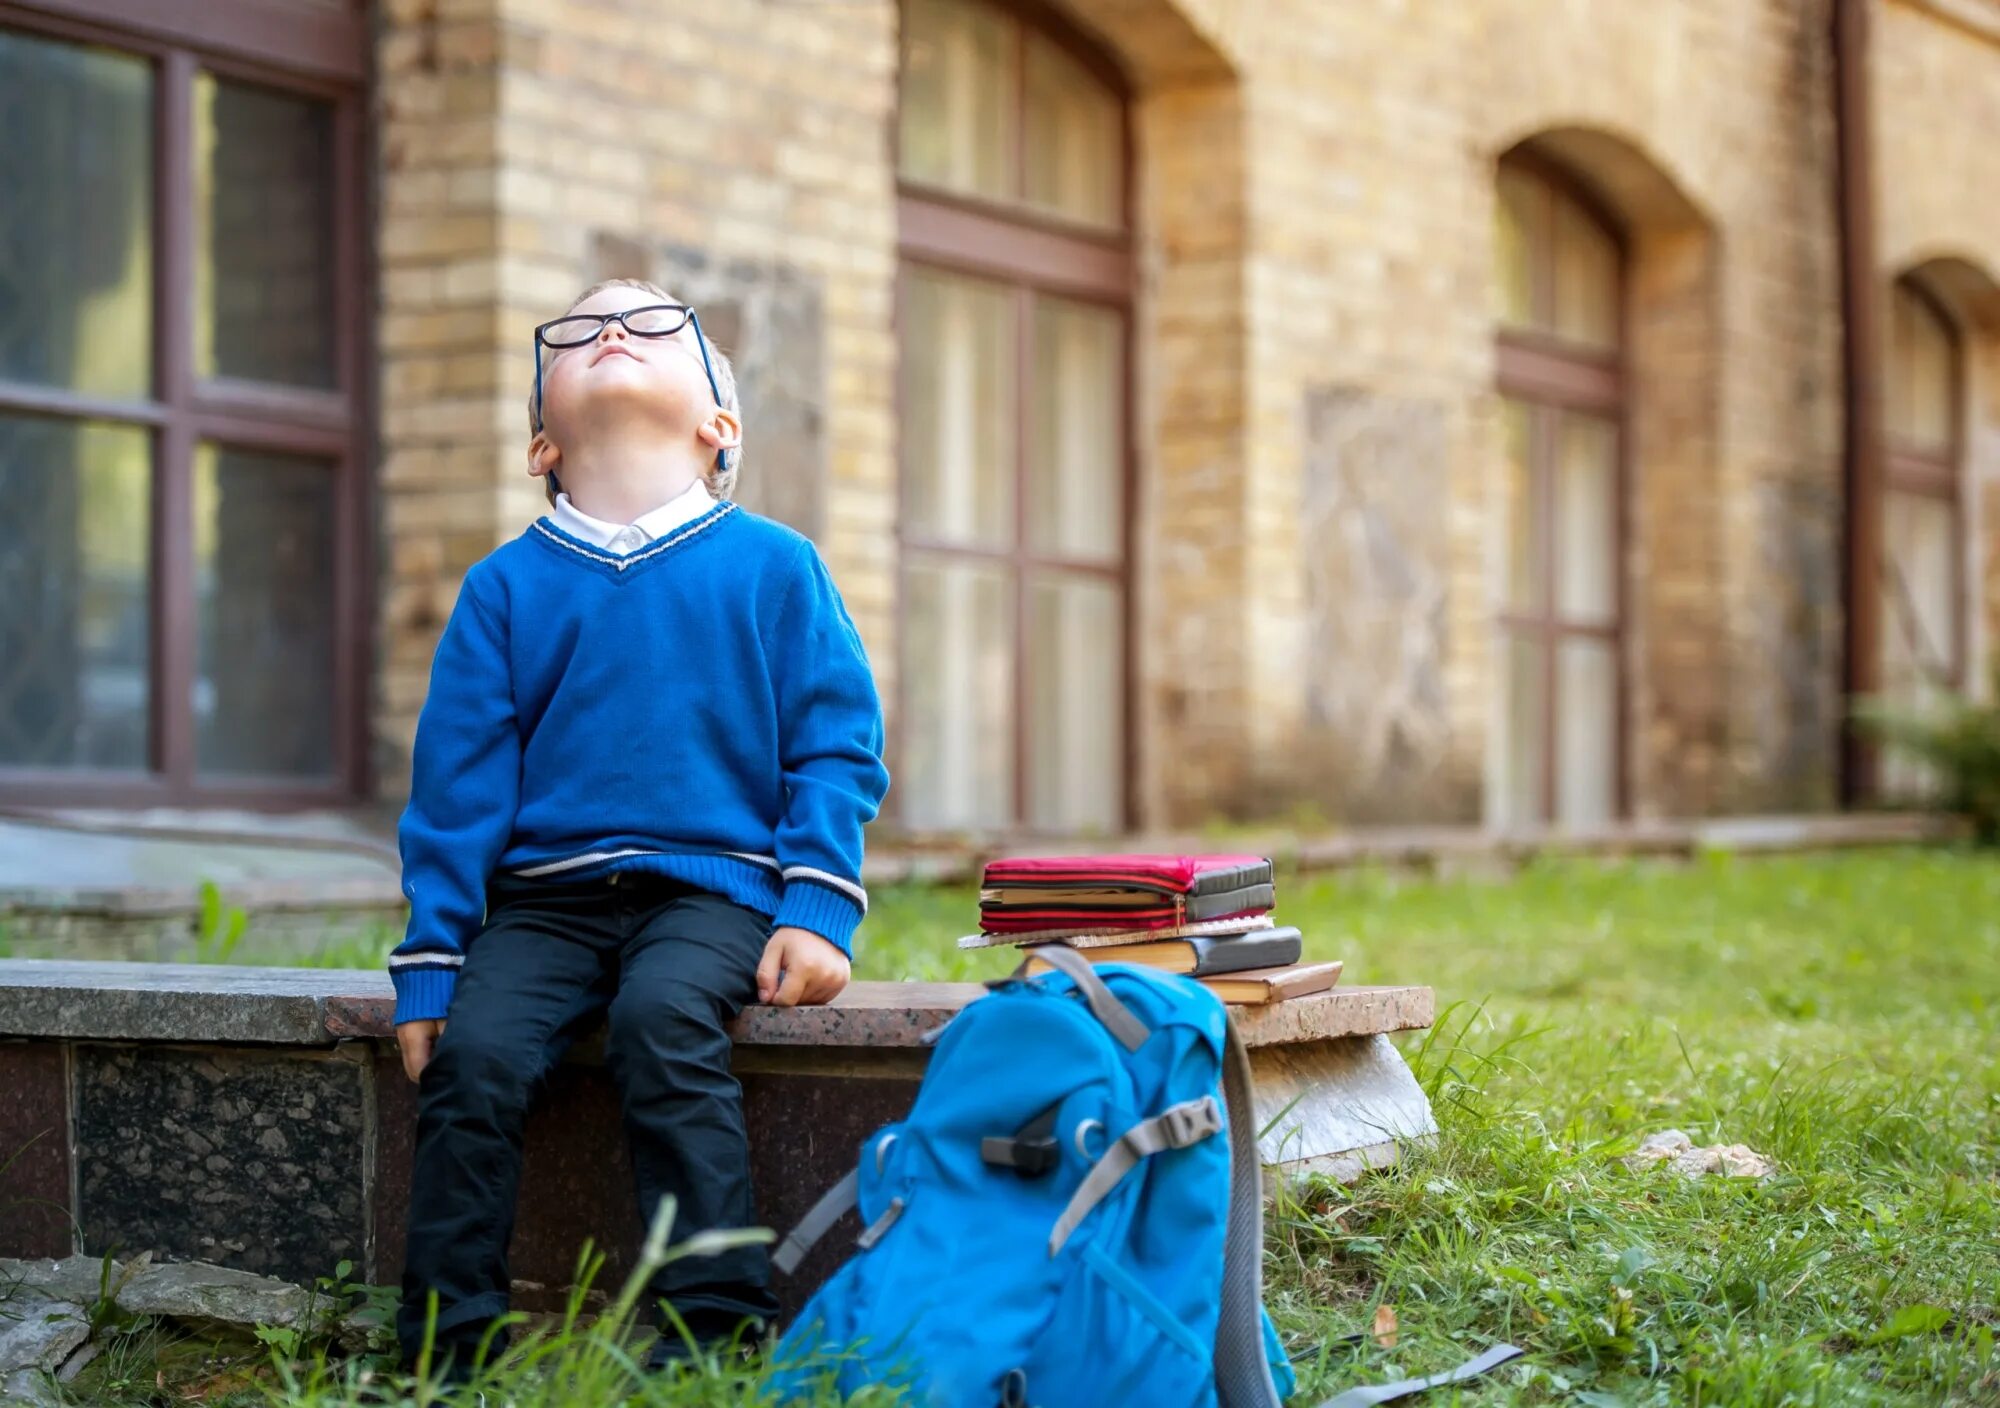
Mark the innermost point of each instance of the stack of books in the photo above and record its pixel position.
(1207, 917)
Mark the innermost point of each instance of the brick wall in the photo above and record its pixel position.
(530, 149)
(1701, 127)
(1315, 340)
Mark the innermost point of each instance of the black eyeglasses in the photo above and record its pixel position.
(654, 320)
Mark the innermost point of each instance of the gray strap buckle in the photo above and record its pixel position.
(1191, 1123)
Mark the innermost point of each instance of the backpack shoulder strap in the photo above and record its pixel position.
(817, 1222)
(1368, 1395)
(1242, 1372)
(1118, 1019)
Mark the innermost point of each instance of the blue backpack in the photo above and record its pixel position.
(1071, 1216)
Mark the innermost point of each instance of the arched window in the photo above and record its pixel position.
(1556, 755)
(1013, 320)
(1921, 635)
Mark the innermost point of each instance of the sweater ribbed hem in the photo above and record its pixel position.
(821, 910)
(422, 994)
(736, 879)
(743, 879)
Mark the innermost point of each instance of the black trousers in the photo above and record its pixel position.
(668, 965)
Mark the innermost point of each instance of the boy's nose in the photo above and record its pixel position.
(612, 328)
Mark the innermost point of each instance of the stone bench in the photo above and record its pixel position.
(259, 1117)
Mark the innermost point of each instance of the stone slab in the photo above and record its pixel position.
(244, 1158)
(39, 1334)
(27, 1388)
(34, 1149)
(172, 1001)
(202, 1295)
(210, 1296)
(1337, 1107)
(316, 1006)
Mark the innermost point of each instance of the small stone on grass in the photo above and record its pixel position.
(1681, 1154)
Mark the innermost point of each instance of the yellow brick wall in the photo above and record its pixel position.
(1315, 187)
(1377, 136)
(519, 134)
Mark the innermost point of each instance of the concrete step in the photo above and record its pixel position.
(259, 1118)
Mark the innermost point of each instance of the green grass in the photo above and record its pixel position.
(1837, 1014)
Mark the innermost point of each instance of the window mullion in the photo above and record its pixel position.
(1018, 118)
(1543, 451)
(173, 557)
(1024, 438)
(351, 558)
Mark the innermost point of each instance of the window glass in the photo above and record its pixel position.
(958, 409)
(956, 125)
(1074, 140)
(1076, 734)
(1076, 474)
(1521, 214)
(959, 651)
(1586, 504)
(1923, 374)
(1587, 740)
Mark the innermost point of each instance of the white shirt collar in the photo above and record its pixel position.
(684, 508)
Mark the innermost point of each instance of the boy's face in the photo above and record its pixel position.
(620, 383)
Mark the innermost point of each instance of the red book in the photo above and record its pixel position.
(1026, 894)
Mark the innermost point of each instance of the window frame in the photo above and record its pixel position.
(1932, 472)
(1030, 252)
(1548, 376)
(315, 53)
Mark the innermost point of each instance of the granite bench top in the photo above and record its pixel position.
(218, 1003)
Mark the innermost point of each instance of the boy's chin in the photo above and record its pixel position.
(630, 405)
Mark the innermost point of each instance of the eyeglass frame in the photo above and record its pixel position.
(603, 319)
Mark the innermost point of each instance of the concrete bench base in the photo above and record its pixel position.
(259, 1117)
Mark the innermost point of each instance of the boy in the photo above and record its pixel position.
(640, 780)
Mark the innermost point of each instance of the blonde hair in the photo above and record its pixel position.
(721, 475)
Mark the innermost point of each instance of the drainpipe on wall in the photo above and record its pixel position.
(1861, 365)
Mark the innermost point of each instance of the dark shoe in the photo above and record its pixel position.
(457, 1364)
(738, 1340)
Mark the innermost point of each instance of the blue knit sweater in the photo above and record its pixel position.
(700, 709)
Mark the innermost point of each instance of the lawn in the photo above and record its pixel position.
(1840, 1015)
(1836, 1014)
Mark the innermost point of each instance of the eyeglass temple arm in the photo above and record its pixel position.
(715, 390)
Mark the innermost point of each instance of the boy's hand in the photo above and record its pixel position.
(415, 1040)
(812, 970)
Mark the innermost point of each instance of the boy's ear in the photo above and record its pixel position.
(543, 456)
(721, 431)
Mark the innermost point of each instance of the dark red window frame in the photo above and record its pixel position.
(308, 50)
(1935, 472)
(1547, 375)
(1031, 252)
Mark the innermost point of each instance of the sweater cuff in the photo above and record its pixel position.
(422, 994)
(821, 910)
